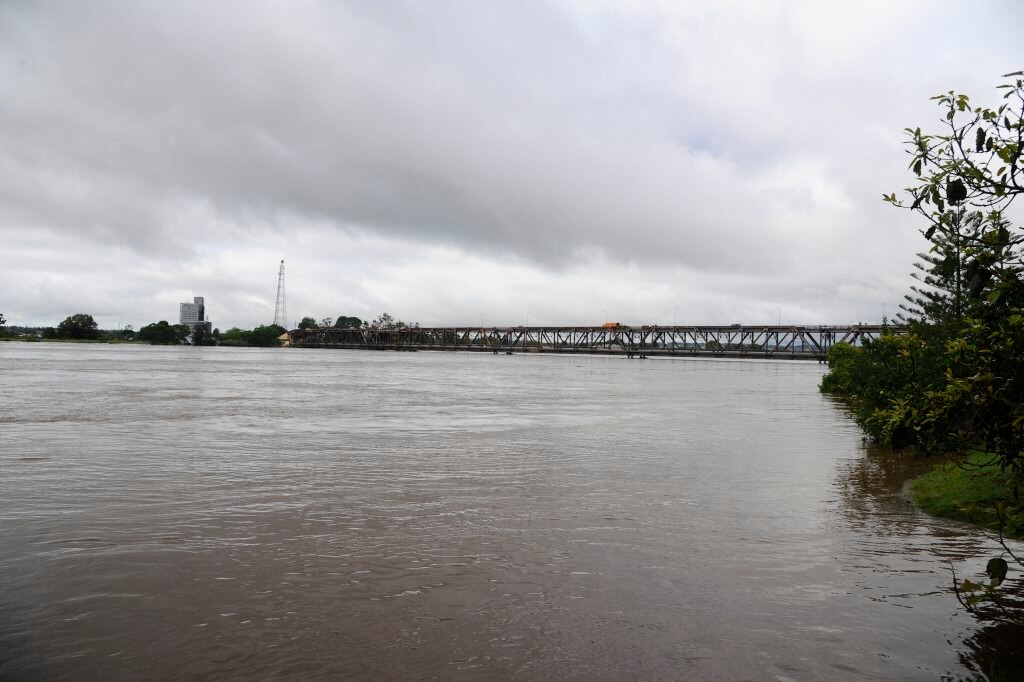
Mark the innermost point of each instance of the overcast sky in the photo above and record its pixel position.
(467, 162)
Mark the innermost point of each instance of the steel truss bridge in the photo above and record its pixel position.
(736, 341)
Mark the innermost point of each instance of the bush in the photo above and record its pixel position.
(883, 380)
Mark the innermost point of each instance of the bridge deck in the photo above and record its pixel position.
(782, 342)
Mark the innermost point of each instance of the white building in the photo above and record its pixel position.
(193, 314)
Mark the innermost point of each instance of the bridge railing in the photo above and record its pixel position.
(783, 341)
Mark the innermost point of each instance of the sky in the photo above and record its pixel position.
(459, 162)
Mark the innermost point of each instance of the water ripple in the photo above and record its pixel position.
(180, 512)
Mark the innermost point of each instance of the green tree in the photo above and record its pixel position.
(966, 177)
(884, 381)
(975, 159)
(940, 297)
(981, 404)
(266, 336)
(78, 326)
(307, 323)
(164, 334)
(235, 337)
(347, 322)
(956, 383)
(3, 321)
(202, 336)
(385, 321)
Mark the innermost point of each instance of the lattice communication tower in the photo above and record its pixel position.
(281, 309)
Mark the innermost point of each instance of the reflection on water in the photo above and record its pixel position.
(874, 498)
(177, 512)
(996, 651)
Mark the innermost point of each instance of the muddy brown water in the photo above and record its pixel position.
(216, 513)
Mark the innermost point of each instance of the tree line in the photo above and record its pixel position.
(383, 321)
(83, 327)
(77, 327)
(954, 383)
(163, 333)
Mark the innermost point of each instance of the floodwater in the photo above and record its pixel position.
(178, 513)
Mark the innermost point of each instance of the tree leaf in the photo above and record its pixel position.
(996, 570)
(955, 191)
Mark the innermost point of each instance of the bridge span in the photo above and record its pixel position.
(735, 341)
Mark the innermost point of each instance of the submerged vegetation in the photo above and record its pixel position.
(973, 489)
(953, 384)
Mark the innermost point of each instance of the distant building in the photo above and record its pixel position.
(194, 314)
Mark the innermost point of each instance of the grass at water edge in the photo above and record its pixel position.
(966, 490)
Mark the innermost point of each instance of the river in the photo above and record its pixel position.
(177, 512)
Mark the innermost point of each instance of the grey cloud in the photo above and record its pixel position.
(504, 136)
(734, 141)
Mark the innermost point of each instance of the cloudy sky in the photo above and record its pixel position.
(467, 162)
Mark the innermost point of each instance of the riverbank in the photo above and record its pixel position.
(970, 490)
(35, 339)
